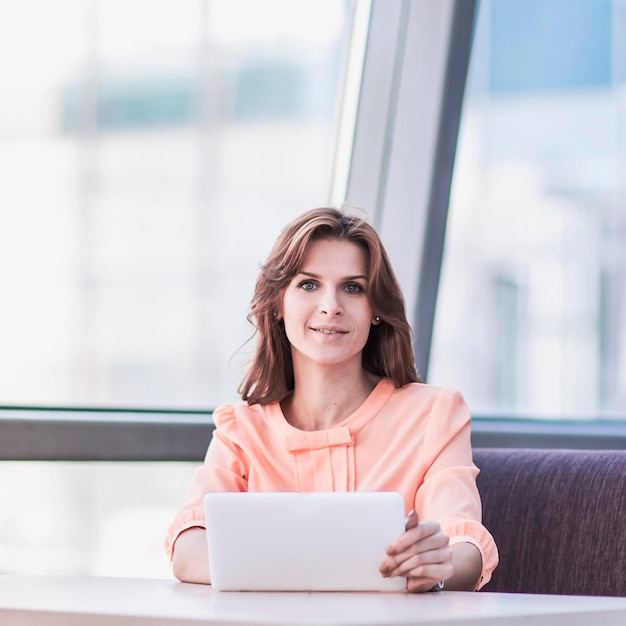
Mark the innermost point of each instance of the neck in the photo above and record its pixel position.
(325, 396)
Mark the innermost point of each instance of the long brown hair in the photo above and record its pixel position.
(388, 351)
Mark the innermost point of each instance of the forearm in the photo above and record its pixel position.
(190, 562)
(467, 564)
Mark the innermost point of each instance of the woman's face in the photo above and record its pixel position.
(326, 308)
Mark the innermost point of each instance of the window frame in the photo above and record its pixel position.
(38, 434)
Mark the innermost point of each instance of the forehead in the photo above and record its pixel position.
(343, 257)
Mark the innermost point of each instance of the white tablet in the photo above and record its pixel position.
(302, 541)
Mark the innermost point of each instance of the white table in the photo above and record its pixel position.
(85, 601)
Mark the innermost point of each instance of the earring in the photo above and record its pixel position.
(377, 320)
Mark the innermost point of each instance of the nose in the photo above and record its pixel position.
(329, 303)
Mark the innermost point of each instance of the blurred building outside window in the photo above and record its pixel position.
(531, 313)
(150, 154)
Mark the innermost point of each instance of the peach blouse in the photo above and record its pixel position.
(414, 440)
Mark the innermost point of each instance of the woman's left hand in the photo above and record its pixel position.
(422, 554)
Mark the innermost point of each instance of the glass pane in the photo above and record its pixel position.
(150, 153)
(531, 315)
(106, 519)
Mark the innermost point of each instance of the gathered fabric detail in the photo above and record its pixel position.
(189, 518)
(323, 460)
(475, 533)
(318, 439)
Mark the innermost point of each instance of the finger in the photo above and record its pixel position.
(421, 564)
(420, 532)
(437, 541)
(417, 585)
(429, 576)
(412, 520)
(409, 566)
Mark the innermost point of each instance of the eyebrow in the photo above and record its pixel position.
(344, 278)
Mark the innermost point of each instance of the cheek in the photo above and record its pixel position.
(365, 314)
(284, 303)
(291, 324)
(290, 309)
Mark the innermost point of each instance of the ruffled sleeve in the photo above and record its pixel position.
(461, 530)
(225, 468)
(449, 493)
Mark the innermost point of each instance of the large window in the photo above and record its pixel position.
(105, 519)
(531, 314)
(150, 152)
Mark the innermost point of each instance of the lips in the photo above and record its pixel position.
(329, 330)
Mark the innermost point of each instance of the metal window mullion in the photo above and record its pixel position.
(407, 125)
(371, 140)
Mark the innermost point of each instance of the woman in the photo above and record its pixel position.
(333, 402)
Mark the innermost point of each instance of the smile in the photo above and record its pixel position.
(328, 331)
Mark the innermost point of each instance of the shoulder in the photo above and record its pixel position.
(424, 393)
(243, 422)
(229, 416)
(439, 406)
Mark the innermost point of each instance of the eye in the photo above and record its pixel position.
(307, 285)
(354, 288)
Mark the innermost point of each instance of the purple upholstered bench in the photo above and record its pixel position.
(558, 517)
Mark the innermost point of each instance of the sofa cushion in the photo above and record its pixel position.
(558, 518)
